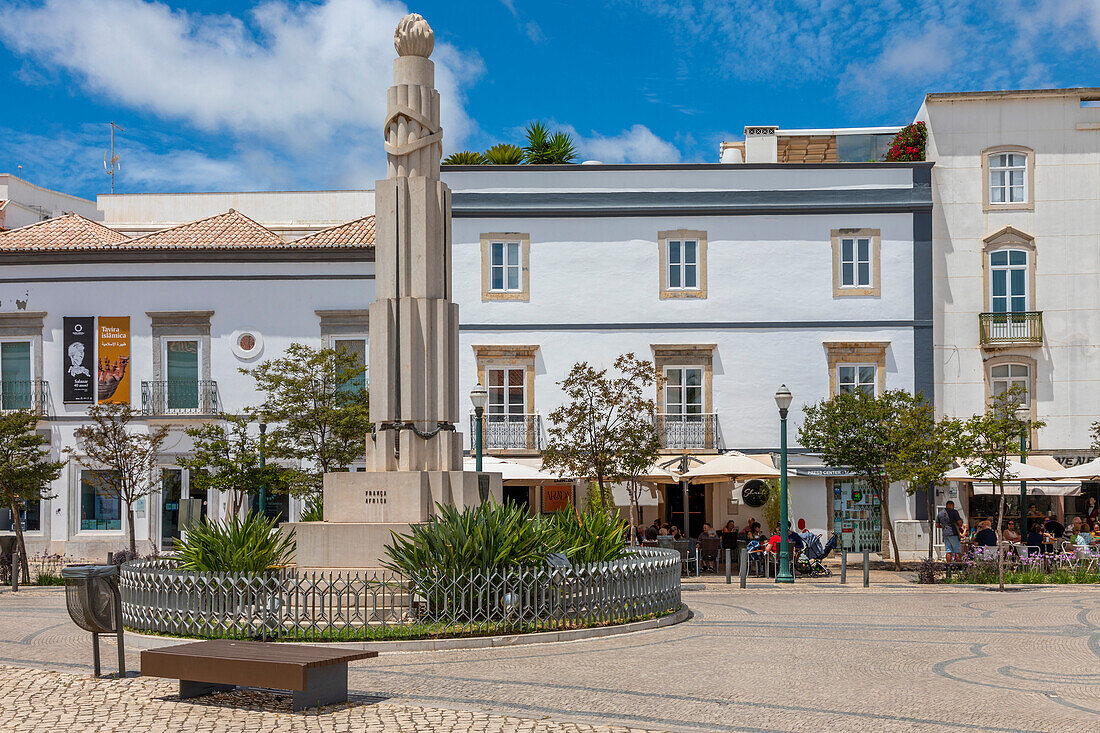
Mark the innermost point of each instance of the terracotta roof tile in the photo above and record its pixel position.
(357, 233)
(231, 230)
(71, 231)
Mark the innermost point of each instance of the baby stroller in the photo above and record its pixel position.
(808, 562)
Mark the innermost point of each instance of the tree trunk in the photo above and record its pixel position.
(1000, 552)
(885, 494)
(633, 513)
(130, 522)
(24, 566)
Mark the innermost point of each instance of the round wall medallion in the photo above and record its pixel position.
(755, 493)
(247, 343)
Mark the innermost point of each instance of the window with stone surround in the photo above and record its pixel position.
(505, 266)
(685, 416)
(508, 373)
(856, 366)
(856, 262)
(21, 360)
(1008, 174)
(683, 262)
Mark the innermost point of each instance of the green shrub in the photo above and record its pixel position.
(592, 535)
(481, 537)
(49, 579)
(249, 545)
(313, 511)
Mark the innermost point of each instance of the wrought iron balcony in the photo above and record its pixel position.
(687, 432)
(26, 394)
(180, 398)
(510, 432)
(1021, 327)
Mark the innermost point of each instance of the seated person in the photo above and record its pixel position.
(1010, 532)
(651, 533)
(708, 531)
(985, 537)
(1076, 526)
(1037, 537)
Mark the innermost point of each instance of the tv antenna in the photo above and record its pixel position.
(110, 160)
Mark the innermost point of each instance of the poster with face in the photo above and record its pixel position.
(77, 378)
(114, 359)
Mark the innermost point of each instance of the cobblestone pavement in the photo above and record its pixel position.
(815, 656)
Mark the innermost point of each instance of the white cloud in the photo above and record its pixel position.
(305, 78)
(637, 144)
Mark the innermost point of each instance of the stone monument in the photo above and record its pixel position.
(414, 457)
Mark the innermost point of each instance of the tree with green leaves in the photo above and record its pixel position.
(464, 157)
(1094, 431)
(885, 439)
(123, 462)
(994, 436)
(604, 432)
(318, 410)
(226, 457)
(504, 154)
(546, 148)
(26, 471)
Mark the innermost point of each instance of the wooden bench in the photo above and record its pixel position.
(316, 676)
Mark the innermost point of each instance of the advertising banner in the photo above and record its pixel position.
(78, 379)
(114, 359)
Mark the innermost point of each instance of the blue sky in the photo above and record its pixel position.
(290, 95)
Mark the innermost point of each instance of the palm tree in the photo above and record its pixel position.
(464, 157)
(504, 154)
(545, 148)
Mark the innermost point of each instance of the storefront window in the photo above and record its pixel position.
(98, 509)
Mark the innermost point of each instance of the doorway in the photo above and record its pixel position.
(518, 495)
(697, 507)
(171, 493)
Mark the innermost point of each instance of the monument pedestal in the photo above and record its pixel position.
(361, 509)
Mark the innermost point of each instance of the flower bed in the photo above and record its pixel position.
(1035, 569)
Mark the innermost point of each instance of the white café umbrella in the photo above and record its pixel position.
(730, 466)
(513, 473)
(1085, 472)
(1015, 472)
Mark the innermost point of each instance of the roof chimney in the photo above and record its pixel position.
(761, 144)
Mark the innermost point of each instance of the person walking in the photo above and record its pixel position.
(950, 523)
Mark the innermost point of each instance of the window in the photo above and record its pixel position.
(683, 391)
(32, 515)
(856, 255)
(1008, 178)
(851, 378)
(504, 267)
(683, 260)
(507, 393)
(16, 391)
(357, 348)
(1009, 275)
(181, 359)
(1004, 376)
(683, 264)
(98, 509)
(855, 262)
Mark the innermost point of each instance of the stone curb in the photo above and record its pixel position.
(136, 640)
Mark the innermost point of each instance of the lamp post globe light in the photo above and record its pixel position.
(1023, 414)
(479, 396)
(783, 399)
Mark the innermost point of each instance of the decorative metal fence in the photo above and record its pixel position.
(291, 604)
(510, 432)
(692, 432)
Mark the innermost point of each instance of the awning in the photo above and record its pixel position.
(1017, 470)
(1086, 471)
(1034, 488)
(512, 473)
(647, 496)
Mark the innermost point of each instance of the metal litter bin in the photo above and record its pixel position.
(95, 605)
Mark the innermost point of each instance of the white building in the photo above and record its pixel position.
(1016, 185)
(23, 203)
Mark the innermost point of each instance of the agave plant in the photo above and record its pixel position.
(482, 537)
(248, 545)
(464, 157)
(504, 154)
(592, 535)
(546, 148)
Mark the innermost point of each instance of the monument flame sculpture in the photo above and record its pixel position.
(414, 458)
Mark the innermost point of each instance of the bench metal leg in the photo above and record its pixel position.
(326, 685)
(197, 689)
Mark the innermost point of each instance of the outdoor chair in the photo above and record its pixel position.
(708, 551)
(687, 557)
(664, 541)
(650, 543)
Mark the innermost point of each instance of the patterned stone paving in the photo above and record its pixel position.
(817, 656)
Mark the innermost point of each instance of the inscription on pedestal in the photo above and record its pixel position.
(375, 496)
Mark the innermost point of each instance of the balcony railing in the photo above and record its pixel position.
(687, 432)
(1022, 327)
(180, 398)
(510, 432)
(26, 394)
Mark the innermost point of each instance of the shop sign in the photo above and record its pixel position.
(556, 497)
(114, 359)
(79, 345)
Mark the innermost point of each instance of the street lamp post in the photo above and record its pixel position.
(480, 398)
(263, 463)
(783, 399)
(1023, 414)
